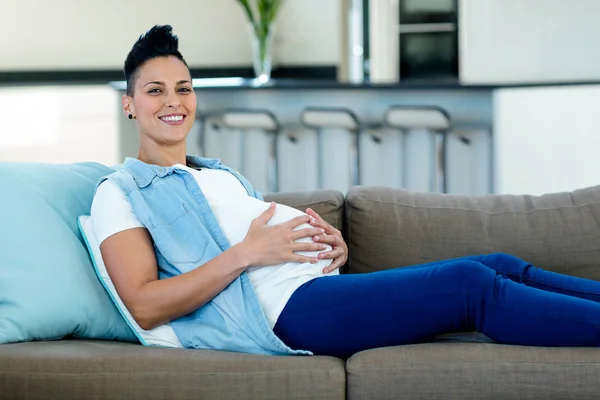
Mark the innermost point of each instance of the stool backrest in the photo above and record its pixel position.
(403, 117)
(241, 119)
(329, 118)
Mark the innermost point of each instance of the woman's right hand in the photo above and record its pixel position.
(275, 244)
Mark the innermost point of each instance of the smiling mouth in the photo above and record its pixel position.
(172, 118)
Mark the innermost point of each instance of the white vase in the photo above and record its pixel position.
(262, 44)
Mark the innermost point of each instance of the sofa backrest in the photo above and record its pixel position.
(329, 204)
(389, 228)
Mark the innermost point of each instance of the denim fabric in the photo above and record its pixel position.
(170, 204)
(499, 295)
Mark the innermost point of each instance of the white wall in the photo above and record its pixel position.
(94, 34)
(60, 124)
(506, 41)
(309, 33)
(546, 139)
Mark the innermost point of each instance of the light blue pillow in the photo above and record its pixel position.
(48, 287)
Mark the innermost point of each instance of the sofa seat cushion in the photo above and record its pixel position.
(76, 369)
(390, 228)
(464, 371)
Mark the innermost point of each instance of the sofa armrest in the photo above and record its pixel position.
(390, 228)
(329, 204)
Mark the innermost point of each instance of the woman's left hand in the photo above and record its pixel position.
(332, 237)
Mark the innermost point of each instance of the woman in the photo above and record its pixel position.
(188, 242)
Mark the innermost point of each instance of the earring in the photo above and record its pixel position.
(130, 116)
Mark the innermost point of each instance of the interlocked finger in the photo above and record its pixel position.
(306, 232)
(309, 246)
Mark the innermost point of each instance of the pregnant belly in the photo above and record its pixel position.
(235, 219)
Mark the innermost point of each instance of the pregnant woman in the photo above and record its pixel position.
(188, 242)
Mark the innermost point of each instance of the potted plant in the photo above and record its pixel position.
(261, 16)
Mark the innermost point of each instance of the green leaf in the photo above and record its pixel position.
(261, 13)
(248, 10)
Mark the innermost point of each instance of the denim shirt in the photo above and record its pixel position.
(170, 204)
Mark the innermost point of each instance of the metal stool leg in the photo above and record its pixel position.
(319, 118)
(244, 120)
(355, 159)
(443, 171)
(438, 179)
(273, 162)
(202, 135)
(242, 152)
(404, 160)
(436, 122)
(320, 155)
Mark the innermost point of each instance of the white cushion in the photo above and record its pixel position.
(161, 336)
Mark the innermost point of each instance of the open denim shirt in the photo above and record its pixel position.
(170, 204)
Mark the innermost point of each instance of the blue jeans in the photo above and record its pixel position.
(499, 295)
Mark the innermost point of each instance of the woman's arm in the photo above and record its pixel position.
(131, 263)
(151, 301)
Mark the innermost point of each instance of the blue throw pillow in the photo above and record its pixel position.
(48, 287)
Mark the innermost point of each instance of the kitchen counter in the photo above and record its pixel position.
(237, 83)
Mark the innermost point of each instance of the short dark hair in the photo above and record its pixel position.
(159, 41)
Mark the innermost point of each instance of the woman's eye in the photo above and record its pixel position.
(185, 90)
(155, 90)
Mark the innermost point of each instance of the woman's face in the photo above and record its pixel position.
(163, 102)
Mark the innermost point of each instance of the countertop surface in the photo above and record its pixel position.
(298, 84)
(235, 83)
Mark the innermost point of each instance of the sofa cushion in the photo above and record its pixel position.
(162, 335)
(464, 371)
(48, 288)
(390, 228)
(77, 369)
(329, 204)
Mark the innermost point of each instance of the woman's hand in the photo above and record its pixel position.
(333, 237)
(275, 244)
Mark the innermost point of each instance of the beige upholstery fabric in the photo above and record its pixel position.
(73, 369)
(391, 228)
(474, 371)
(385, 228)
(76, 369)
(329, 204)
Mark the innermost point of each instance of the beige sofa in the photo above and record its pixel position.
(384, 228)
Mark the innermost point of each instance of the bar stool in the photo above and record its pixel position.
(202, 119)
(320, 118)
(247, 119)
(436, 121)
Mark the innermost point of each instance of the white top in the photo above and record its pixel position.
(234, 210)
